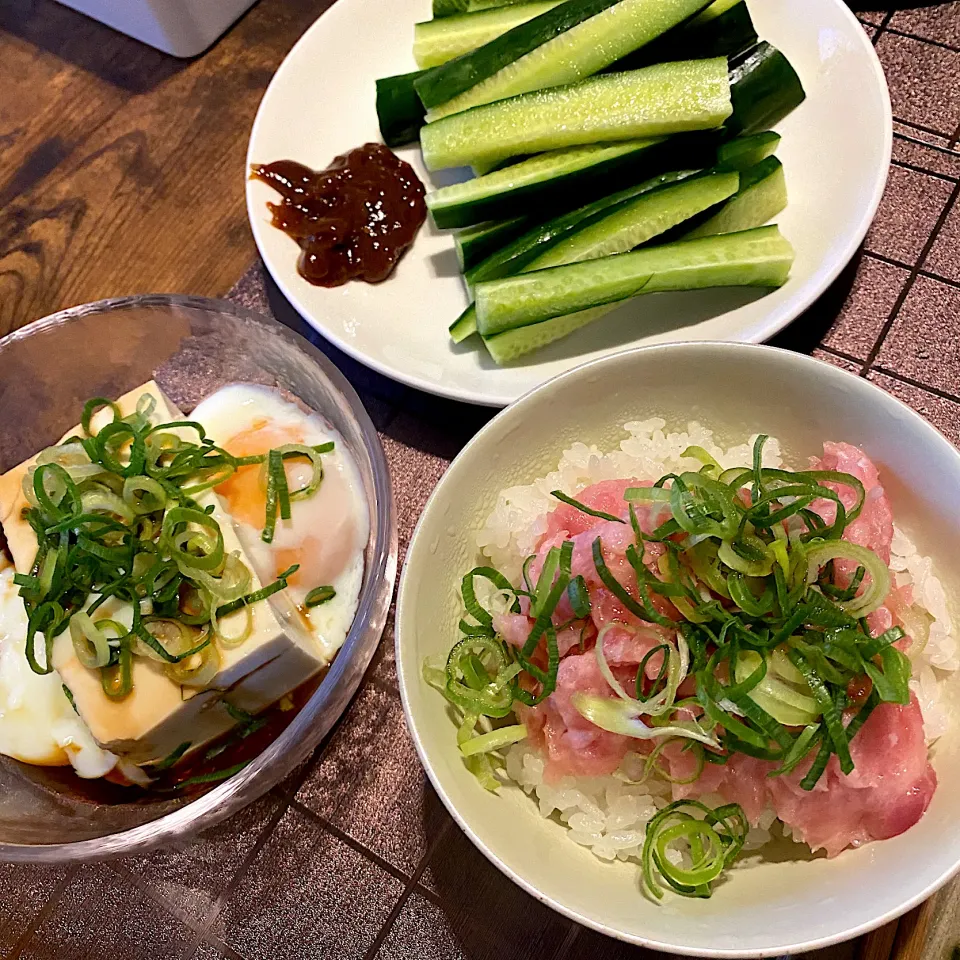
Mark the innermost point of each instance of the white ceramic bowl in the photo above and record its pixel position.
(767, 907)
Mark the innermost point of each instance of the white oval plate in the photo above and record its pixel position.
(772, 903)
(835, 150)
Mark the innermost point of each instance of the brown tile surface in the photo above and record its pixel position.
(369, 783)
(944, 414)
(944, 257)
(919, 148)
(190, 876)
(862, 316)
(939, 22)
(483, 909)
(101, 914)
(23, 893)
(908, 212)
(366, 861)
(842, 362)
(307, 895)
(874, 17)
(922, 343)
(924, 82)
(421, 930)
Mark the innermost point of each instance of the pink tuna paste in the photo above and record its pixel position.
(892, 783)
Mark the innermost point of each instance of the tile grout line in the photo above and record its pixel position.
(922, 128)
(903, 165)
(939, 44)
(203, 926)
(880, 30)
(354, 844)
(840, 355)
(911, 280)
(950, 152)
(926, 274)
(411, 886)
(53, 901)
(119, 868)
(910, 382)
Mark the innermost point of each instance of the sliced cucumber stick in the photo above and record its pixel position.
(636, 221)
(764, 88)
(624, 226)
(399, 109)
(452, 8)
(437, 41)
(742, 153)
(760, 257)
(513, 344)
(662, 99)
(725, 35)
(475, 244)
(559, 178)
(762, 195)
(574, 40)
(517, 254)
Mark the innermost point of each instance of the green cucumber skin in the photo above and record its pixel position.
(726, 35)
(742, 153)
(760, 257)
(515, 256)
(513, 344)
(764, 88)
(585, 37)
(437, 41)
(452, 8)
(636, 221)
(512, 258)
(760, 198)
(762, 195)
(612, 107)
(623, 226)
(477, 243)
(612, 170)
(399, 110)
(443, 83)
(757, 102)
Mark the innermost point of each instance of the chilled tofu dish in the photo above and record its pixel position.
(681, 651)
(167, 581)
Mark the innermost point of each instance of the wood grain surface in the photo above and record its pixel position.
(121, 167)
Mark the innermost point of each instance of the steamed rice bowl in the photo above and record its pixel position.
(607, 805)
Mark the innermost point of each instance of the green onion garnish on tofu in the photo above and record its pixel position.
(117, 518)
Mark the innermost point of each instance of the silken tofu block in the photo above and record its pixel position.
(159, 715)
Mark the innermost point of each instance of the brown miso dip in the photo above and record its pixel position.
(353, 220)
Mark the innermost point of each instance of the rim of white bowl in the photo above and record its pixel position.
(403, 678)
(774, 321)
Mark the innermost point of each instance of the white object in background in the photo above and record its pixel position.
(181, 27)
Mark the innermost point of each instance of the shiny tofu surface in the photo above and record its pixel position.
(159, 715)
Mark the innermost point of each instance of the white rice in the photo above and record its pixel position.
(609, 814)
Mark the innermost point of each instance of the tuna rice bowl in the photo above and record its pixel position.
(680, 651)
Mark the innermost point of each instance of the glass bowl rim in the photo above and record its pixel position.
(294, 744)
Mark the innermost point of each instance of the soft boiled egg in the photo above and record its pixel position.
(327, 532)
(38, 724)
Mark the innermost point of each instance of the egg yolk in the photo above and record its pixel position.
(321, 535)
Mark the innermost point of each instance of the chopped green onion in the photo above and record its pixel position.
(168, 761)
(279, 584)
(319, 595)
(495, 740)
(583, 508)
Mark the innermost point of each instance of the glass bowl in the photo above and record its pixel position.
(191, 346)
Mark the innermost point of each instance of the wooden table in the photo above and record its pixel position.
(121, 172)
